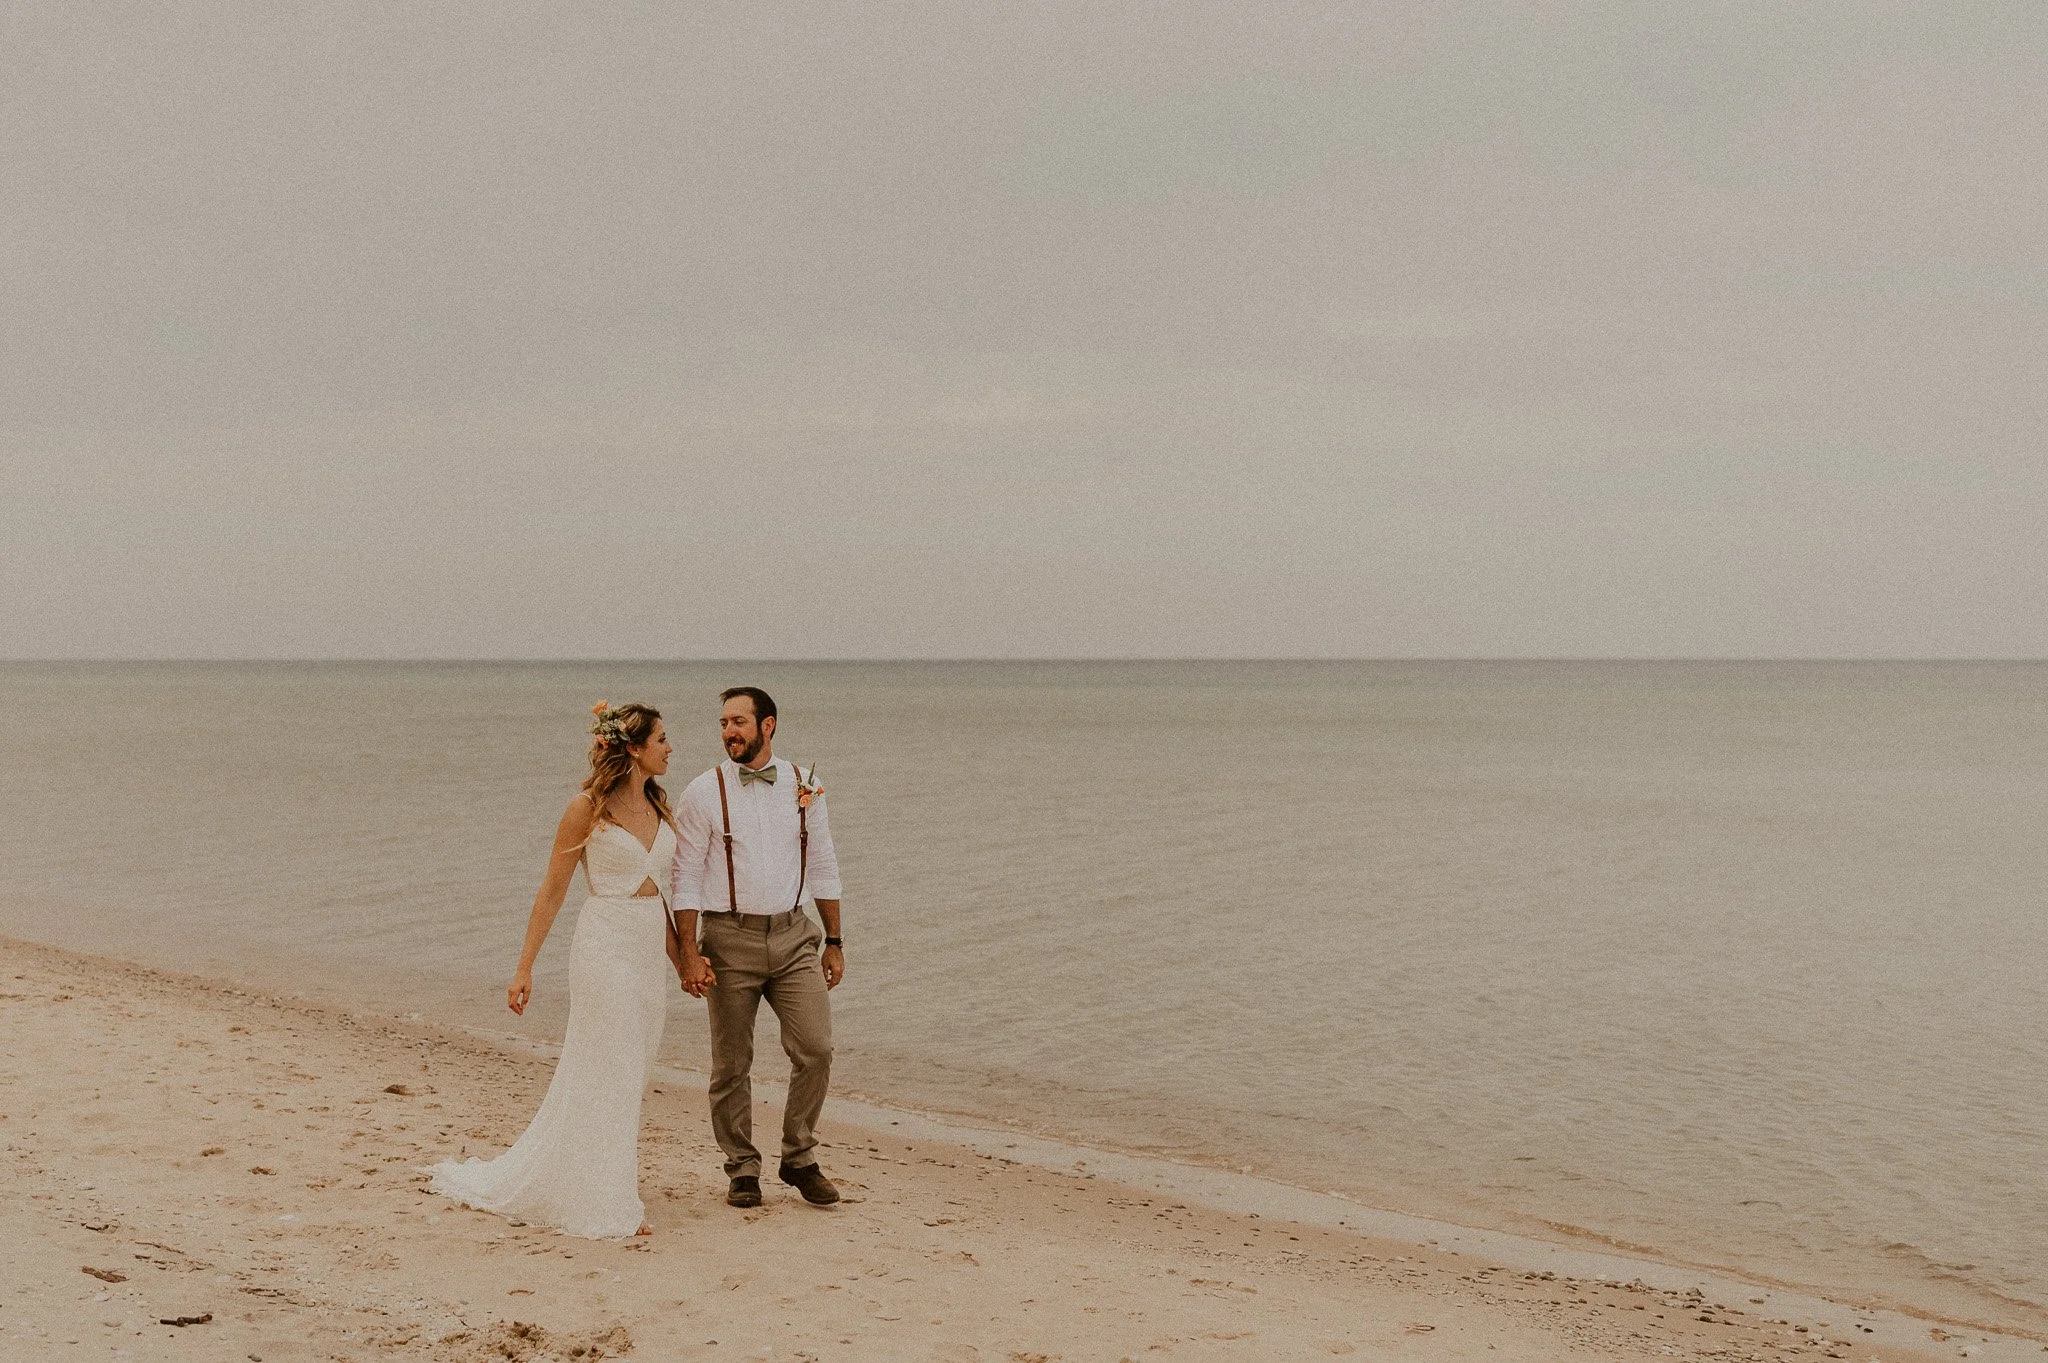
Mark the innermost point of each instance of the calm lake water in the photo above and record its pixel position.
(1738, 962)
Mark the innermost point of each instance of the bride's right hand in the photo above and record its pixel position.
(520, 990)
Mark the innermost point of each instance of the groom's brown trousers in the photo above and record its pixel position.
(757, 956)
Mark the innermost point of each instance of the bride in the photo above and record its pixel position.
(577, 1168)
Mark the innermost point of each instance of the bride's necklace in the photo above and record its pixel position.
(619, 812)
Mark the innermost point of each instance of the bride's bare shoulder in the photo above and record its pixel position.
(581, 812)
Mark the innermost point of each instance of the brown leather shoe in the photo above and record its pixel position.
(745, 1192)
(809, 1180)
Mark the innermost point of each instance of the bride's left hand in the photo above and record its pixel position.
(519, 992)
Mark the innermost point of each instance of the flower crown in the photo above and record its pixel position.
(610, 725)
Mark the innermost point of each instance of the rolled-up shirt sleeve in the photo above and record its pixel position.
(822, 868)
(693, 846)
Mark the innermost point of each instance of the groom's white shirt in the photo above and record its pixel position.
(764, 845)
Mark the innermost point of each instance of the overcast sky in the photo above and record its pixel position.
(1113, 329)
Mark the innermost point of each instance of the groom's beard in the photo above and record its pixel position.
(745, 756)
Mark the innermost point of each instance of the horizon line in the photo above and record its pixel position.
(964, 659)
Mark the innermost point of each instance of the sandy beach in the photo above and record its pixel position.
(179, 1149)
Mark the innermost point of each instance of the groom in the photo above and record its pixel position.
(753, 846)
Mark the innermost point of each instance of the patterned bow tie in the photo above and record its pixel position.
(749, 775)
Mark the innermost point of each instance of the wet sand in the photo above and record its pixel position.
(175, 1148)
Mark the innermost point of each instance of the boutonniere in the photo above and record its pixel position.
(807, 787)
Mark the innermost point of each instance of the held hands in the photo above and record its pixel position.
(520, 991)
(697, 976)
(833, 962)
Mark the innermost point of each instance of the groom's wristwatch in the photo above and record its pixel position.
(835, 941)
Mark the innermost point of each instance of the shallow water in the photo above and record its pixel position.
(1735, 962)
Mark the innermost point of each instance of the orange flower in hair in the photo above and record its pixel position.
(610, 726)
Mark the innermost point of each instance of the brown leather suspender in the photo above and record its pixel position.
(732, 889)
(803, 837)
(803, 840)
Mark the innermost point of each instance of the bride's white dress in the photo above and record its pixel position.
(577, 1168)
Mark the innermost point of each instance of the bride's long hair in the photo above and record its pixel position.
(618, 728)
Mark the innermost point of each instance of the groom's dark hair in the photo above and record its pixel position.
(764, 704)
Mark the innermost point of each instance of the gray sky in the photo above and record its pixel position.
(1125, 329)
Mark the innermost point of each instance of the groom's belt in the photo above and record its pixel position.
(770, 918)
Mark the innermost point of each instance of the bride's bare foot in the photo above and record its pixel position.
(645, 1229)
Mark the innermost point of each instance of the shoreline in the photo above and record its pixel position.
(1181, 1260)
(1577, 1255)
(1865, 1292)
